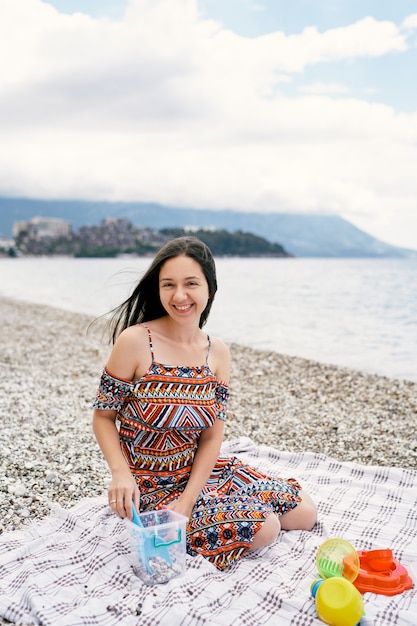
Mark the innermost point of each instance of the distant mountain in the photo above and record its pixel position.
(302, 235)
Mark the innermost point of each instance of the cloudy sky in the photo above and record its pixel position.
(258, 105)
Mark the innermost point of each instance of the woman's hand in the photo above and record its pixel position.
(122, 491)
(182, 506)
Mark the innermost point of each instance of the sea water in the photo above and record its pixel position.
(359, 313)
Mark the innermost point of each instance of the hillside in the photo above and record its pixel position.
(300, 234)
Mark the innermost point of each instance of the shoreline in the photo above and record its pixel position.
(50, 370)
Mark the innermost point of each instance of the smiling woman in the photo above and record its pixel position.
(166, 383)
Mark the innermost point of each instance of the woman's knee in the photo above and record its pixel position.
(303, 517)
(268, 533)
(309, 515)
(310, 511)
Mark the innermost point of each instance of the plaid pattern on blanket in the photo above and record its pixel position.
(73, 569)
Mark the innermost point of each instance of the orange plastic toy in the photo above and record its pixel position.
(380, 573)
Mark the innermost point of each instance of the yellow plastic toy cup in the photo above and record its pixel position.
(338, 558)
(338, 602)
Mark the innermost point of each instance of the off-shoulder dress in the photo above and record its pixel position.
(160, 418)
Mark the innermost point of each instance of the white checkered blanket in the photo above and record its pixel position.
(72, 569)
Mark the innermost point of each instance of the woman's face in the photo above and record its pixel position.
(183, 289)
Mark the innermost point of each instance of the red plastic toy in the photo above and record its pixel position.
(380, 573)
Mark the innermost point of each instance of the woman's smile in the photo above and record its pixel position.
(183, 307)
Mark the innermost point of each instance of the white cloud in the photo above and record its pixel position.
(410, 22)
(323, 88)
(365, 38)
(168, 107)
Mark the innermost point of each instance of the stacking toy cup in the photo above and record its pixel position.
(338, 602)
(338, 558)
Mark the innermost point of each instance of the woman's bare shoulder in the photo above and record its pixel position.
(130, 356)
(134, 332)
(219, 346)
(220, 354)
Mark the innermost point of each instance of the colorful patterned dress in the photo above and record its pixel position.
(160, 419)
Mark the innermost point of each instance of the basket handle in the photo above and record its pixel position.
(160, 543)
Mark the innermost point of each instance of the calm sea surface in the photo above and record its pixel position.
(358, 313)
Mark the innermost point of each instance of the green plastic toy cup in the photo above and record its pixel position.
(337, 558)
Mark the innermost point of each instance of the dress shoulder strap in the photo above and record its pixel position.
(208, 348)
(150, 342)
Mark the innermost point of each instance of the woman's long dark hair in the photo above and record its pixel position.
(144, 304)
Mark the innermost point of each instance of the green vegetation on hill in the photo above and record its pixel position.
(225, 243)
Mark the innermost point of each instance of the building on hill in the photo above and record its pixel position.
(41, 234)
(39, 228)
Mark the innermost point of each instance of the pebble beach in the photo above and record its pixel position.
(50, 366)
